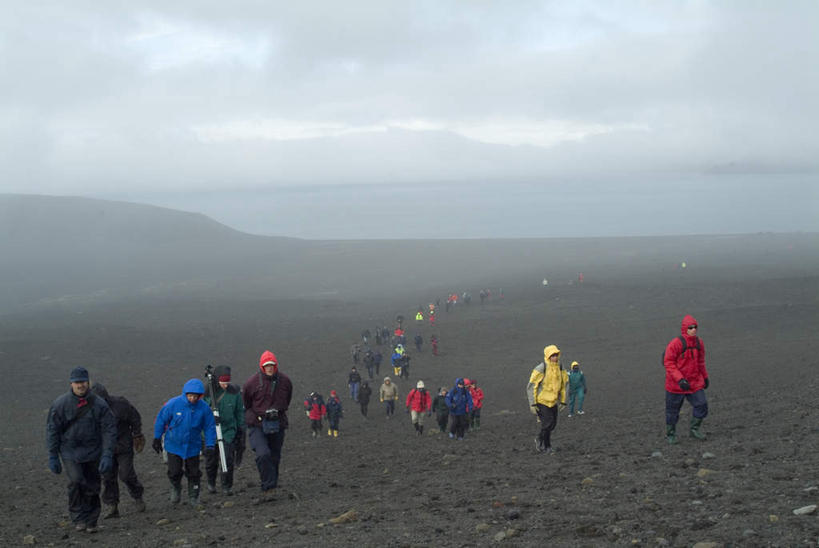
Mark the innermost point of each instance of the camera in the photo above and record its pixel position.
(271, 414)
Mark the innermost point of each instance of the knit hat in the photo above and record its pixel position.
(222, 373)
(78, 374)
(420, 384)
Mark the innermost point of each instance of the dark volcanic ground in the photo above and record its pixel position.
(613, 481)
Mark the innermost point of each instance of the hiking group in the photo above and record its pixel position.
(94, 436)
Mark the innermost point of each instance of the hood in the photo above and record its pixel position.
(550, 351)
(267, 358)
(687, 320)
(99, 390)
(575, 364)
(457, 381)
(193, 386)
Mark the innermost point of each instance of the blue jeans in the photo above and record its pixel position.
(354, 390)
(268, 449)
(673, 404)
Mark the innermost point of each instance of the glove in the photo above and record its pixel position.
(407, 410)
(217, 420)
(706, 383)
(139, 443)
(307, 413)
(157, 445)
(533, 409)
(684, 385)
(54, 464)
(106, 464)
(561, 406)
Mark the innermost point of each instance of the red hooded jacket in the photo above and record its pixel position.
(689, 365)
(258, 397)
(419, 400)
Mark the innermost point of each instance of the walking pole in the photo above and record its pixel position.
(219, 440)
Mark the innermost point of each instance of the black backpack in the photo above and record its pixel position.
(698, 346)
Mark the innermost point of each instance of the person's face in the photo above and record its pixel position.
(692, 329)
(387, 381)
(554, 357)
(269, 370)
(193, 398)
(224, 384)
(79, 388)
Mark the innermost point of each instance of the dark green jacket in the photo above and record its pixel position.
(231, 410)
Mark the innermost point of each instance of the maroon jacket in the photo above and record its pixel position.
(689, 365)
(257, 396)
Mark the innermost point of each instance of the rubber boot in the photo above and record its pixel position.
(193, 493)
(671, 433)
(113, 512)
(176, 493)
(211, 487)
(477, 423)
(420, 429)
(335, 433)
(695, 429)
(329, 431)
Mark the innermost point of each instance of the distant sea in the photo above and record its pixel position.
(644, 206)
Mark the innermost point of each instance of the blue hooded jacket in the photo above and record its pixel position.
(459, 400)
(183, 423)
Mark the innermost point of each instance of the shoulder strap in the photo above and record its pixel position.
(81, 413)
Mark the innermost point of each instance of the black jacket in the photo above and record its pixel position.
(83, 439)
(129, 421)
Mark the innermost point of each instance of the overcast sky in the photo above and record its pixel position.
(152, 97)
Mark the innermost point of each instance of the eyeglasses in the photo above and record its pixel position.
(692, 327)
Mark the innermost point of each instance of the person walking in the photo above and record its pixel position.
(228, 401)
(388, 394)
(316, 409)
(477, 401)
(685, 379)
(546, 392)
(369, 363)
(334, 413)
(441, 409)
(82, 432)
(364, 397)
(434, 342)
(577, 389)
(183, 420)
(418, 403)
(354, 382)
(129, 440)
(459, 401)
(266, 397)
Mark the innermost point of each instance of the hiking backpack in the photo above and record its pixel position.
(698, 346)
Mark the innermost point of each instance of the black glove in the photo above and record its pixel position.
(54, 464)
(684, 385)
(240, 448)
(706, 383)
(217, 420)
(157, 445)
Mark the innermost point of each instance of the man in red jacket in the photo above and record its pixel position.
(418, 403)
(685, 379)
(267, 396)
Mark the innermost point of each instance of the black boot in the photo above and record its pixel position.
(420, 429)
(695, 429)
(176, 492)
(671, 434)
(193, 493)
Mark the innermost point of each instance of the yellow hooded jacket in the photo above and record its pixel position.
(547, 384)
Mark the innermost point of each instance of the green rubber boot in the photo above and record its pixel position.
(671, 433)
(176, 493)
(695, 429)
(193, 494)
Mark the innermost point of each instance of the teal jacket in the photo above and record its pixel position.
(576, 380)
(231, 410)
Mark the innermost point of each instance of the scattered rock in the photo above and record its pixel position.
(512, 515)
(707, 544)
(773, 518)
(587, 481)
(511, 533)
(270, 525)
(346, 517)
(805, 510)
(661, 541)
(180, 541)
(163, 521)
(29, 539)
(497, 504)
(228, 504)
(656, 454)
(689, 461)
(696, 502)
(500, 536)
(703, 472)
(749, 533)
(811, 488)
(301, 529)
(589, 531)
(320, 524)
(708, 455)
(482, 527)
